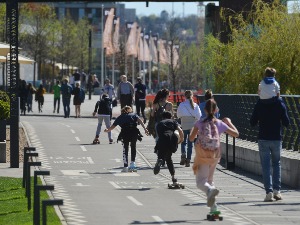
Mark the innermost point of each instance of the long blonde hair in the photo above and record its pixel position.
(189, 95)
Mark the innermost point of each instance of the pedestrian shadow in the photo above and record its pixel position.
(134, 189)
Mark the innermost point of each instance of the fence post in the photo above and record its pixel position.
(230, 165)
(46, 203)
(38, 189)
(25, 160)
(36, 207)
(28, 194)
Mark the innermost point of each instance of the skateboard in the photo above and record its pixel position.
(213, 216)
(176, 185)
(96, 142)
(132, 169)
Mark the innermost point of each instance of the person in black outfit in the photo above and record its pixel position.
(104, 111)
(76, 76)
(128, 122)
(167, 142)
(140, 98)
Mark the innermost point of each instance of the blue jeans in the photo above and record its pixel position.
(186, 141)
(66, 104)
(270, 150)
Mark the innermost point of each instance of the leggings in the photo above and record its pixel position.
(125, 151)
(204, 177)
(167, 156)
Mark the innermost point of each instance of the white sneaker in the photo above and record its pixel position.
(211, 196)
(124, 170)
(277, 195)
(269, 197)
(132, 165)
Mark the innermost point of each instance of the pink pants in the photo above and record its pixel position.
(204, 177)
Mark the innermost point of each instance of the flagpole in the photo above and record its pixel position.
(150, 82)
(144, 62)
(113, 70)
(158, 65)
(133, 79)
(102, 50)
(125, 48)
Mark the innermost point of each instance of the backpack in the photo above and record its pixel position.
(159, 112)
(208, 135)
(81, 95)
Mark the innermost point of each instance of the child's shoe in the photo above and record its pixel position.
(96, 140)
(183, 159)
(211, 196)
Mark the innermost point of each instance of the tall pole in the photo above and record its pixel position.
(113, 70)
(102, 49)
(125, 48)
(144, 62)
(158, 65)
(90, 65)
(150, 82)
(133, 79)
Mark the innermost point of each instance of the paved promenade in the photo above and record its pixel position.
(241, 193)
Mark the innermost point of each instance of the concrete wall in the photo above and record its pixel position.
(247, 158)
(3, 152)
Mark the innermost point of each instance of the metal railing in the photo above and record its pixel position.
(239, 109)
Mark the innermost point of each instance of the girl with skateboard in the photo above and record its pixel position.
(104, 111)
(128, 122)
(208, 151)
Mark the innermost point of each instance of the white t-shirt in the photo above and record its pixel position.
(266, 91)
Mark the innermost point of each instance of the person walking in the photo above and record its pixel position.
(30, 90)
(125, 92)
(140, 98)
(167, 143)
(270, 115)
(208, 151)
(39, 97)
(208, 95)
(66, 91)
(103, 107)
(23, 94)
(77, 100)
(128, 122)
(188, 112)
(56, 92)
(110, 91)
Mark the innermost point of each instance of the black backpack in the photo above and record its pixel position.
(159, 112)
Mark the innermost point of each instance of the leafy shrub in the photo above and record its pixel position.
(4, 106)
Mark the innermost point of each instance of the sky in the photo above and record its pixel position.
(157, 7)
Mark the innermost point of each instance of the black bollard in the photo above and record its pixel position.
(39, 188)
(36, 208)
(29, 164)
(46, 203)
(25, 160)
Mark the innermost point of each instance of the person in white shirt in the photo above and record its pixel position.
(189, 113)
(269, 87)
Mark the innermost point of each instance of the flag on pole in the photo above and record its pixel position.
(137, 42)
(153, 48)
(147, 55)
(116, 44)
(141, 48)
(131, 41)
(107, 33)
(162, 52)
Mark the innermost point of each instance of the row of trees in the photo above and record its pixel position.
(267, 36)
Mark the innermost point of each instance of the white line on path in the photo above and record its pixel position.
(68, 126)
(158, 219)
(114, 184)
(73, 131)
(77, 138)
(83, 148)
(90, 160)
(134, 200)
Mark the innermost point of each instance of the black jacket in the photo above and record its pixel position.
(103, 106)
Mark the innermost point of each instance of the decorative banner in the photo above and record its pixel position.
(147, 55)
(153, 48)
(107, 33)
(141, 48)
(131, 47)
(138, 35)
(163, 56)
(116, 44)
